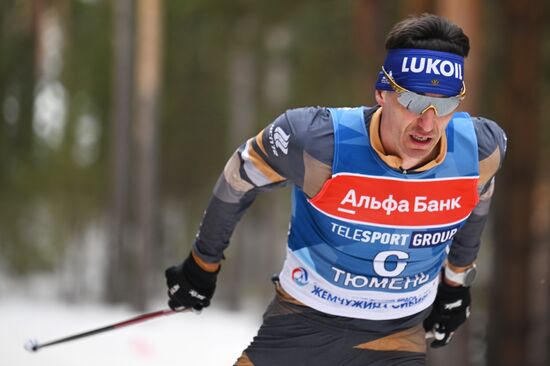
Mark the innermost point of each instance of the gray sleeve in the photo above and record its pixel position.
(467, 241)
(491, 150)
(271, 159)
(298, 131)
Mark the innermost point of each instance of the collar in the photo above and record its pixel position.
(393, 161)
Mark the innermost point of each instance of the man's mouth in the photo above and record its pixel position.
(421, 139)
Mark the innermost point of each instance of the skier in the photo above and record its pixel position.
(389, 203)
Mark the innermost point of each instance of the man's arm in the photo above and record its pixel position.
(491, 150)
(452, 304)
(279, 154)
(285, 151)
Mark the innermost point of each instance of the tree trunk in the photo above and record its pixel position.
(148, 71)
(120, 151)
(467, 14)
(369, 44)
(518, 99)
(417, 7)
(539, 300)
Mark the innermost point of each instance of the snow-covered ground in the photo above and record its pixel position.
(215, 337)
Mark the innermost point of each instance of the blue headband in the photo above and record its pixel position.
(424, 71)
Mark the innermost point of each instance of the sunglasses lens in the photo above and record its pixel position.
(418, 103)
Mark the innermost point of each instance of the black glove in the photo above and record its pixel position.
(450, 309)
(189, 285)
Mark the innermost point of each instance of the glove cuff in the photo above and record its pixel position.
(447, 292)
(199, 277)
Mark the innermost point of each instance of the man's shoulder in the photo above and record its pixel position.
(318, 115)
(298, 122)
(307, 113)
(310, 128)
(490, 137)
(314, 127)
(491, 142)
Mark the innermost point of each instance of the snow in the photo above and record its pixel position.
(215, 337)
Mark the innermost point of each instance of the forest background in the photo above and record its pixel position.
(116, 118)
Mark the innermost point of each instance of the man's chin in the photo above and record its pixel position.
(419, 154)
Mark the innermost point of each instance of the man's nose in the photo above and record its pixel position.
(427, 119)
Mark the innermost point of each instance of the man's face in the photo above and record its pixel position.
(410, 136)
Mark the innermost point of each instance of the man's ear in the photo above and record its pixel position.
(380, 97)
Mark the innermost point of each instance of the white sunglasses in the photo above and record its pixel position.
(419, 103)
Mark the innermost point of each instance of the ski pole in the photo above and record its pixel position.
(32, 345)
